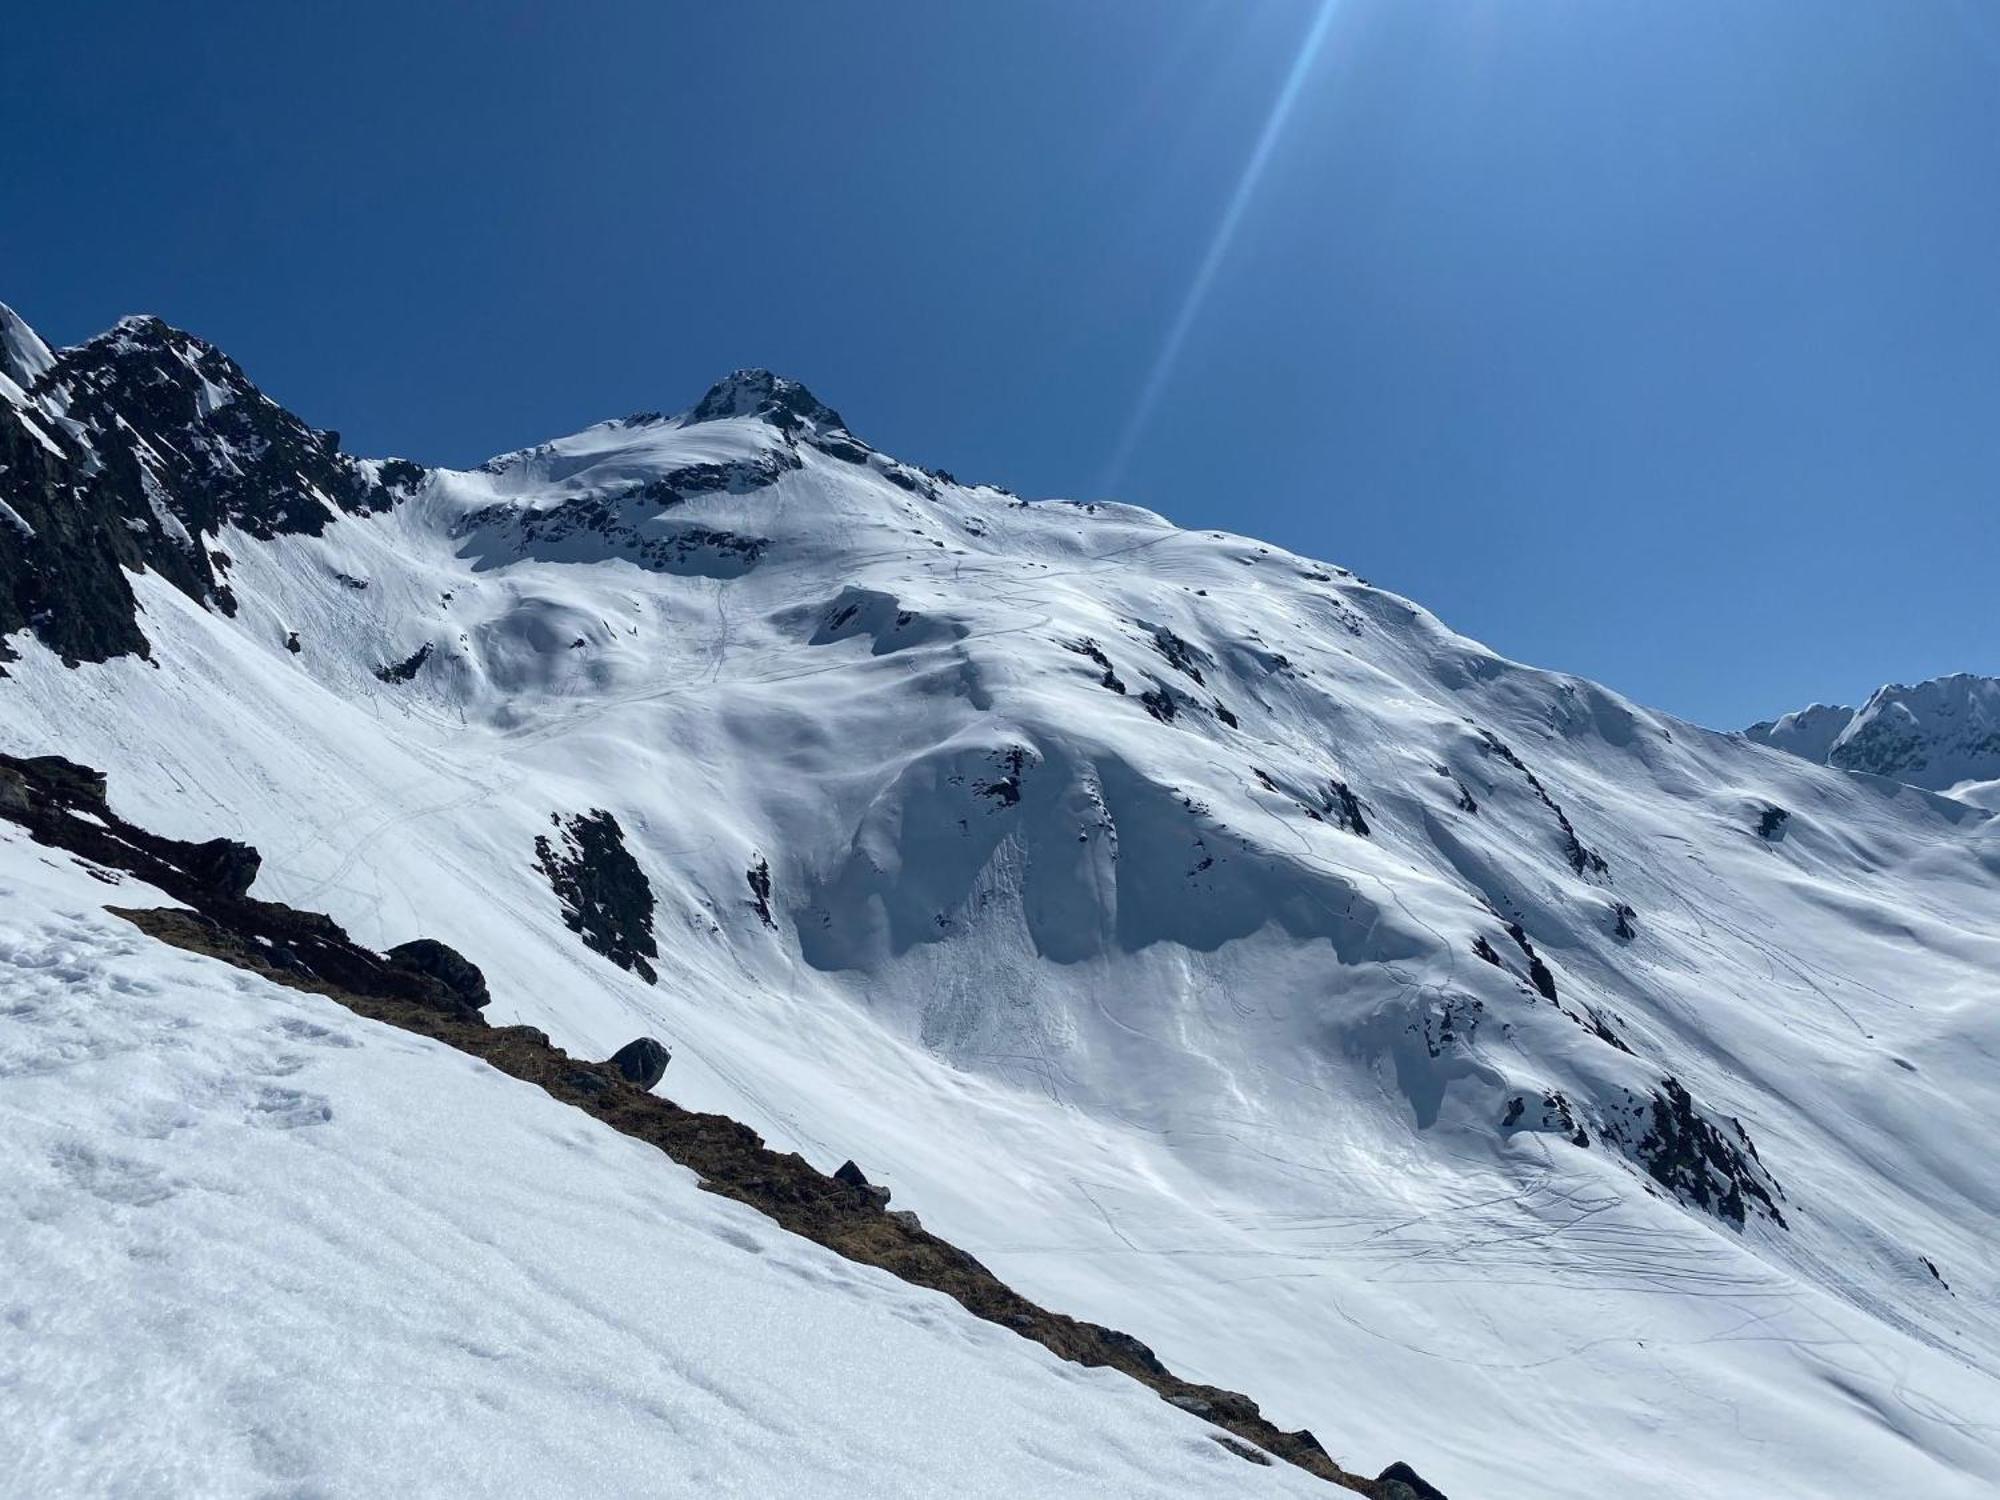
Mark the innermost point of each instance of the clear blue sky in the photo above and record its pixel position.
(1658, 342)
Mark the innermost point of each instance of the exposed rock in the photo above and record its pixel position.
(643, 1061)
(768, 397)
(408, 667)
(606, 898)
(1181, 656)
(127, 453)
(67, 782)
(1089, 648)
(1345, 807)
(447, 965)
(1538, 972)
(759, 876)
(1688, 1155)
(852, 1176)
(1412, 1482)
(1582, 859)
(1771, 823)
(1242, 1450)
(225, 864)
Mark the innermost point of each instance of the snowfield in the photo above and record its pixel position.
(256, 1245)
(1471, 1065)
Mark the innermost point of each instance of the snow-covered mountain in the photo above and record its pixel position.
(1943, 735)
(1474, 1066)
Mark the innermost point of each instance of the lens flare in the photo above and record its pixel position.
(1218, 245)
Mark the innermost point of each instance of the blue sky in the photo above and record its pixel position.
(1658, 342)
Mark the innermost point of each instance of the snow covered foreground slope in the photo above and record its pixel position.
(1472, 1065)
(256, 1245)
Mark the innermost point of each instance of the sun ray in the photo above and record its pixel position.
(1219, 243)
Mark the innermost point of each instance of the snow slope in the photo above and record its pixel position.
(257, 1245)
(1943, 734)
(1216, 946)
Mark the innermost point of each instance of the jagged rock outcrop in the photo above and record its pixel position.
(606, 898)
(135, 451)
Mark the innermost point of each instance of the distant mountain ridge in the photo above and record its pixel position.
(1938, 735)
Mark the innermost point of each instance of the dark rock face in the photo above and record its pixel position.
(447, 965)
(1538, 971)
(126, 454)
(606, 898)
(406, 669)
(1689, 1156)
(643, 1062)
(784, 403)
(1412, 1482)
(851, 1176)
(759, 876)
(225, 864)
(739, 476)
(592, 527)
(1087, 647)
(1771, 823)
(1181, 656)
(66, 781)
(1582, 859)
(1345, 808)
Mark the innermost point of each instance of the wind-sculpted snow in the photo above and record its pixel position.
(1217, 946)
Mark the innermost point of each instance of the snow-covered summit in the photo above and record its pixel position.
(24, 358)
(1939, 734)
(1473, 1064)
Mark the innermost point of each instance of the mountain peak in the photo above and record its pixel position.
(1934, 734)
(24, 358)
(768, 396)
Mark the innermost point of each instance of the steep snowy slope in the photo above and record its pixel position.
(1473, 1065)
(256, 1245)
(1943, 734)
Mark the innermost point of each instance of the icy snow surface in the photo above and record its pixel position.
(1077, 942)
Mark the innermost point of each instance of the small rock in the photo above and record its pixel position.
(643, 1061)
(224, 864)
(1194, 1404)
(907, 1219)
(1400, 1473)
(446, 965)
(850, 1175)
